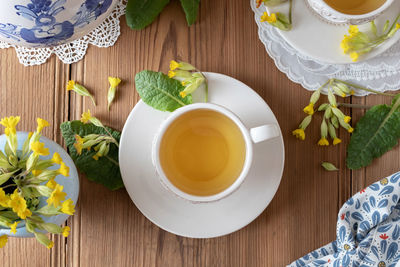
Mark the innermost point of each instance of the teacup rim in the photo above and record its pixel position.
(373, 13)
(178, 192)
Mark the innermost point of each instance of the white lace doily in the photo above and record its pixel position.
(105, 35)
(381, 73)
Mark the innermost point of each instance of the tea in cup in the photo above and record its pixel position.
(349, 11)
(203, 152)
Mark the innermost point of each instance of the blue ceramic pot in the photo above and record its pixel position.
(45, 23)
(70, 183)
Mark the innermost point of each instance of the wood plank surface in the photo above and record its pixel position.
(107, 229)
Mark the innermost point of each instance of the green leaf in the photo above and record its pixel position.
(191, 8)
(329, 166)
(103, 171)
(140, 13)
(159, 91)
(376, 133)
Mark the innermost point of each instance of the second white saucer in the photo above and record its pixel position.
(320, 40)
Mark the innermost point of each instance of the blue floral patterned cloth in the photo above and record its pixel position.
(368, 230)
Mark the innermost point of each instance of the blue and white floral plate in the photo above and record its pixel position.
(46, 23)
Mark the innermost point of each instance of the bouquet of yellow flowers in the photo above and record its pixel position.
(24, 179)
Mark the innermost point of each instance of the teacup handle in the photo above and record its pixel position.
(264, 132)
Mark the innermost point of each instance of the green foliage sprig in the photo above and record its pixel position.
(172, 91)
(375, 133)
(94, 149)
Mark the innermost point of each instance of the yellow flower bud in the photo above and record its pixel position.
(86, 116)
(336, 141)
(309, 109)
(3, 240)
(65, 231)
(41, 123)
(171, 74)
(323, 142)
(299, 133)
(354, 56)
(347, 119)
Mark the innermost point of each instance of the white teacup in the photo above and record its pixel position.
(332, 15)
(250, 137)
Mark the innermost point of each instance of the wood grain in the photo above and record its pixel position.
(107, 229)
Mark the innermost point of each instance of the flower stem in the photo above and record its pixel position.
(394, 23)
(206, 85)
(290, 11)
(363, 88)
(94, 102)
(113, 161)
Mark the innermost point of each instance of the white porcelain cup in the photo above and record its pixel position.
(250, 136)
(332, 15)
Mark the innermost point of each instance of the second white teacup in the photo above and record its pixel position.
(341, 17)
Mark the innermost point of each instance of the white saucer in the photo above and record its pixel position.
(183, 218)
(320, 40)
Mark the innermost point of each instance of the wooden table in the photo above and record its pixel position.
(107, 229)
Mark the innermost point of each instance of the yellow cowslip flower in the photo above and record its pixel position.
(80, 90)
(36, 172)
(68, 207)
(78, 144)
(18, 205)
(354, 56)
(24, 214)
(41, 123)
(353, 30)
(336, 141)
(86, 116)
(299, 133)
(56, 196)
(347, 119)
(56, 158)
(352, 92)
(397, 26)
(268, 18)
(13, 227)
(10, 123)
(51, 183)
(64, 169)
(350, 130)
(345, 44)
(4, 199)
(171, 74)
(30, 135)
(182, 94)
(65, 231)
(173, 65)
(70, 85)
(96, 157)
(3, 241)
(309, 109)
(39, 149)
(50, 245)
(114, 81)
(17, 202)
(323, 142)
